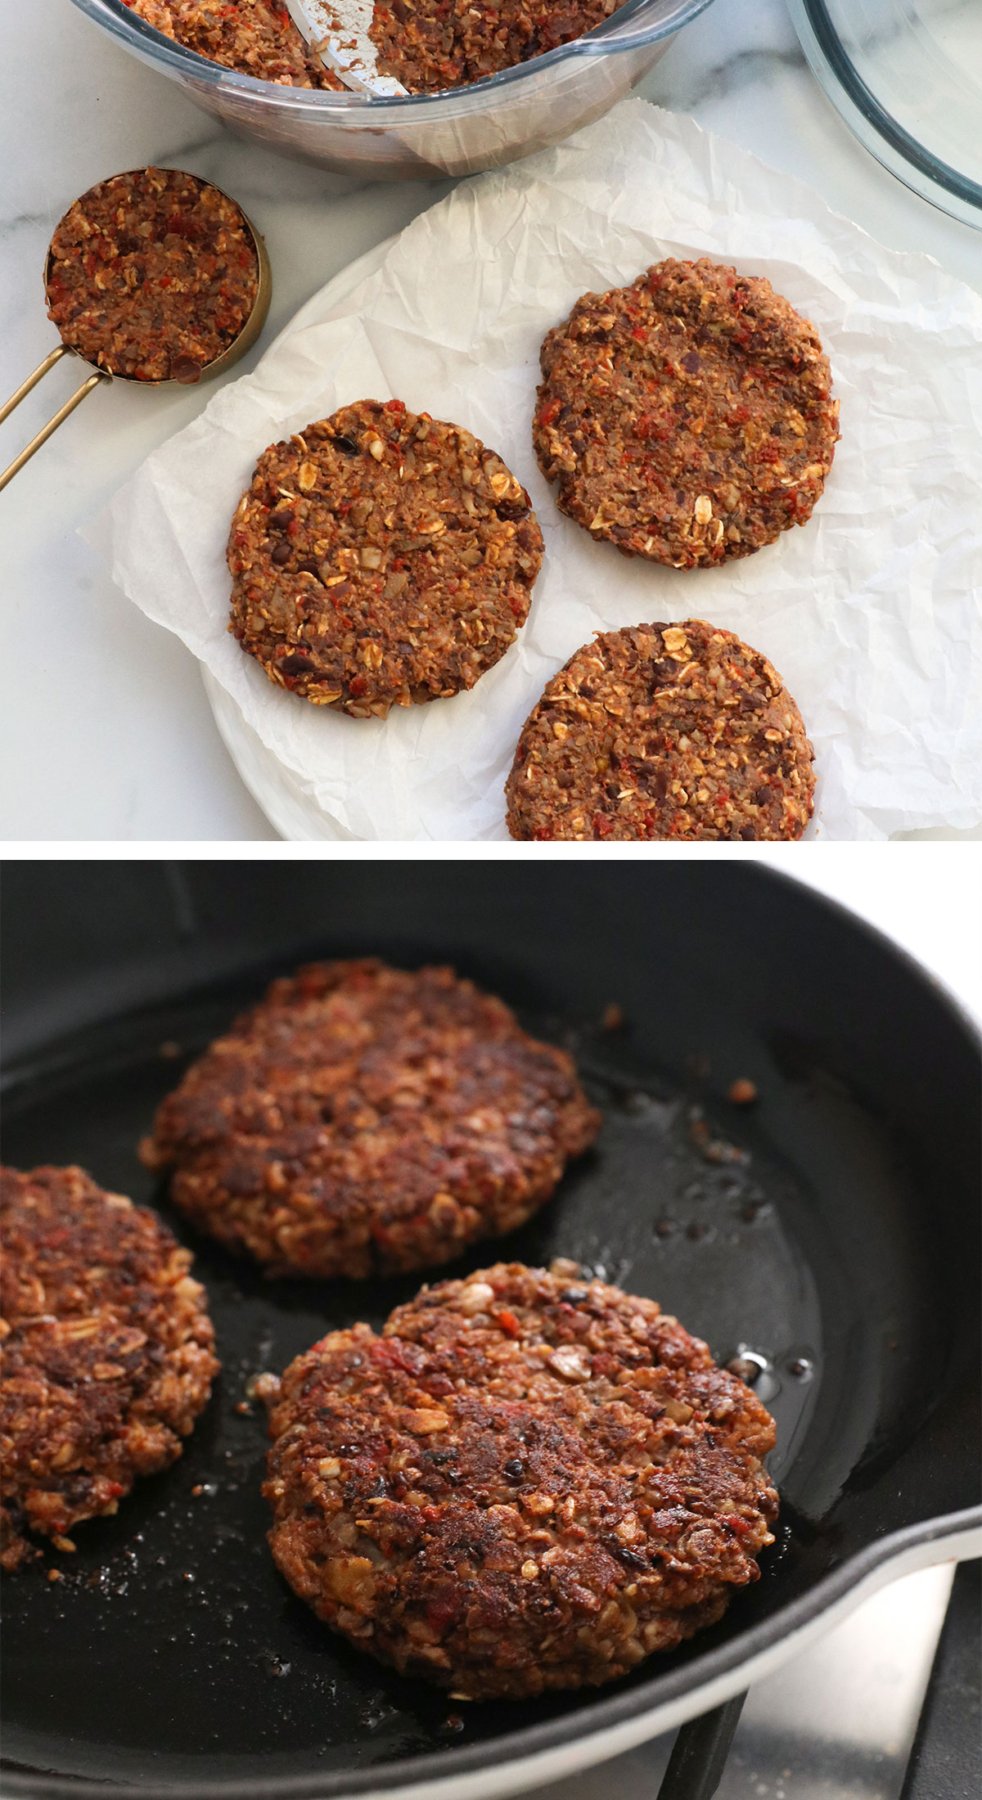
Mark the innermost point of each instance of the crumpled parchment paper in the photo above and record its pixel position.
(871, 612)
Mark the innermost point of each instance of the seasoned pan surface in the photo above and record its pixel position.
(812, 1229)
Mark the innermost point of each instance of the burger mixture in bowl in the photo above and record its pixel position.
(426, 45)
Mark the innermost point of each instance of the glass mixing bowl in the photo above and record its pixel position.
(477, 127)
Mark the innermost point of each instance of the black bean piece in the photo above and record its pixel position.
(625, 1554)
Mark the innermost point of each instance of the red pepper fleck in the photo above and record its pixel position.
(441, 1613)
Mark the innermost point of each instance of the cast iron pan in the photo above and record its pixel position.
(841, 1244)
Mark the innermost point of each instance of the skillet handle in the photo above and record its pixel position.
(59, 417)
(944, 1758)
(700, 1752)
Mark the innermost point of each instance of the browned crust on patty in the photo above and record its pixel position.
(363, 1118)
(663, 731)
(527, 1482)
(152, 275)
(107, 1352)
(380, 558)
(688, 417)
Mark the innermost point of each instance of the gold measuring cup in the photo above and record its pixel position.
(243, 340)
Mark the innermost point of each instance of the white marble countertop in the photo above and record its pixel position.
(106, 730)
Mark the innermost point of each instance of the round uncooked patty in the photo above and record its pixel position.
(528, 1481)
(689, 417)
(663, 731)
(380, 558)
(107, 1353)
(364, 1119)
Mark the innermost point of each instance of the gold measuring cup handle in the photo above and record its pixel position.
(59, 417)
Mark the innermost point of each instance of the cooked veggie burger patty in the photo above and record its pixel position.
(107, 1353)
(688, 417)
(363, 1118)
(528, 1481)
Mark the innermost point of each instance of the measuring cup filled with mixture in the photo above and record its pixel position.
(153, 276)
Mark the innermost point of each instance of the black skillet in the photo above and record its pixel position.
(837, 1237)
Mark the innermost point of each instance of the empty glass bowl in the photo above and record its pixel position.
(477, 127)
(906, 75)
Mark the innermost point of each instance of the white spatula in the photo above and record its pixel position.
(338, 31)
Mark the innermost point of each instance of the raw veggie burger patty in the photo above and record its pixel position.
(107, 1352)
(152, 275)
(689, 417)
(663, 731)
(528, 1481)
(363, 1118)
(381, 557)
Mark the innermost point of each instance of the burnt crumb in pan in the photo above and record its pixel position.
(381, 558)
(526, 1482)
(688, 417)
(107, 1353)
(663, 731)
(364, 1119)
(152, 275)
